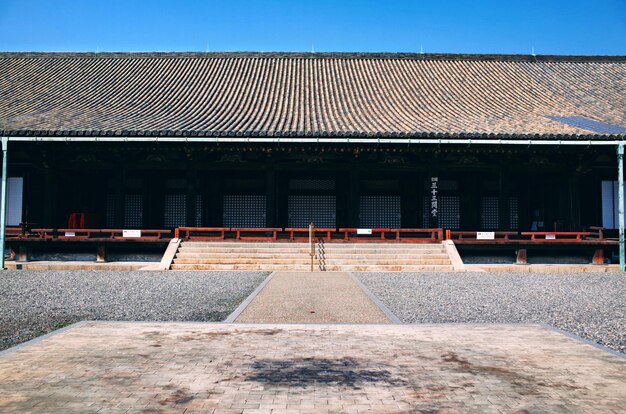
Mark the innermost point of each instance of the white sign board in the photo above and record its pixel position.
(131, 233)
(363, 231)
(550, 236)
(485, 235)
(70, 234)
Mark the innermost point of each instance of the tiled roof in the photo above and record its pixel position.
(309, 95)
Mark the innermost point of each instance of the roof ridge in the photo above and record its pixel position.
(322, 55)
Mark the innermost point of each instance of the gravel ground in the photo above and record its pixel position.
(591, 305)
(33, 303)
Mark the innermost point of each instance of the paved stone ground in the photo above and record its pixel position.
(116, 367)
(317, 297)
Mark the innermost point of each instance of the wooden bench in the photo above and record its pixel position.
(302, 233)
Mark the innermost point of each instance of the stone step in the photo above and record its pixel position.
(388, 255)
(356, 268)
(195, 266)
(335, 262)
(222, 251)
(241, 254)
(390, 268)
(275, 245)
(282, 245)
(230, 255)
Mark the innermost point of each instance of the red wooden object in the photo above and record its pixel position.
(254, 233)
(598, 257)
(350, 234)
(302, 233)
(471, 235)
(418, 234)
(559, 236)
(522, 256)
(202, 233)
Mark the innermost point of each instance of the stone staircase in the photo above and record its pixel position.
(220, 255)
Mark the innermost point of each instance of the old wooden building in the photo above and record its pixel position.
(462, 142)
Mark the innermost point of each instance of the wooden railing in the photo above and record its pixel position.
(90, 234)
(596, 235)
(547, 236)
(352, 234)
(223, 233)
(473, 235)
(300, 233)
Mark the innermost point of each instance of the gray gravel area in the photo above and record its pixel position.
(590, 305)
(33, 303)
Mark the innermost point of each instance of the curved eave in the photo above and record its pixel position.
(305, 137)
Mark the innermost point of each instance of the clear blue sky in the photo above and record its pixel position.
(502, 26)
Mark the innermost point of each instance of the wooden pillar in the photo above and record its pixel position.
(270, 194)
(504, 204)
(154, 199)
(192, 192)
(354, 196)
(214, 199)
(101, 253)
(22, 255)
(282, 199)
(409, 201)
(470, 200)
(522, 257)
(574, 202)
(120, 191)
(598, 257)
(50, 198)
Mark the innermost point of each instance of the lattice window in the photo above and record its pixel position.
(379, 212)
(311, 184)
(133, 211)
(449, 212)
(514, 211)
(198, 221)
(175, 210)
(489, 213)
(245, 211)
(317, 209)
(110, 211)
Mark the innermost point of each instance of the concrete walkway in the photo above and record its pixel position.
(312, 297)
(116, 367)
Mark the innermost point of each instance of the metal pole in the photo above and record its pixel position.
(620, 203)
(3, 200)
(311, 244)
